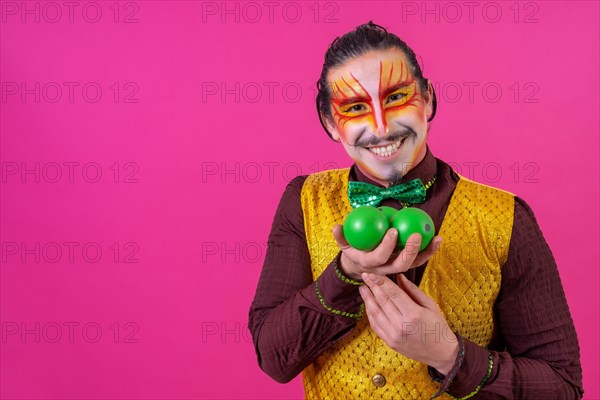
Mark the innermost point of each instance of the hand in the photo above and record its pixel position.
(354, 262)
(409, 321)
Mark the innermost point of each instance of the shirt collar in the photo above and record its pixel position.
(425, 170)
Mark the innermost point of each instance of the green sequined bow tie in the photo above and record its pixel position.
(365, 194)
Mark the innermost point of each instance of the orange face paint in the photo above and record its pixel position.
(353, 104)
(379, 114)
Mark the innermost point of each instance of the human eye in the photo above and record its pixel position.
(395, 97)
(400, 96)
(355, 109)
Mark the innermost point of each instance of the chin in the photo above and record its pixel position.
(389, 175)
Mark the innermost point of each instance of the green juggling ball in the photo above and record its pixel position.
(412, 220)
(389, 212)
(365, 227)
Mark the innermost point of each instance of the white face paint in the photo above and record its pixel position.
(379, 114)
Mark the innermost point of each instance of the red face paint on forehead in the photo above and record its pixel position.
(346, 93)
(376, 107)
(390, 80)
(396, 90)
(392, 75)
(396, 78)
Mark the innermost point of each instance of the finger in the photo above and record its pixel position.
(376, 257)
(380, 326)
(381, 254)
(374, 312)
(428, 252)
(338, 234)
(391, 298)
(405, 259)
(417, 294)
(400, 261)
(376, 283)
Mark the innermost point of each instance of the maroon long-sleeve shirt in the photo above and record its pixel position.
(534, 347)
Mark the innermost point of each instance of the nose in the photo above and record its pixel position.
(381, 128)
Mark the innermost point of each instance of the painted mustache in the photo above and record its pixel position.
(375, 141)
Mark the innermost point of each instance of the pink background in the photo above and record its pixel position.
(203, 151)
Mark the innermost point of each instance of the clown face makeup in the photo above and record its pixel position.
(379, 114)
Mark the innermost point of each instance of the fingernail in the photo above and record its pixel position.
(394, 233)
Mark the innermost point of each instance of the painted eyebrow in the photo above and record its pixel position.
(353, 99)
(389, 90)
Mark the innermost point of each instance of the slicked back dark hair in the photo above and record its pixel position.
(361, 40)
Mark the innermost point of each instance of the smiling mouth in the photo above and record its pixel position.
(388, 150)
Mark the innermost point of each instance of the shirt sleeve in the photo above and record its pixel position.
(289, 324)
(541, 357)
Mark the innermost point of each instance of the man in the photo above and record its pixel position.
(480, 313)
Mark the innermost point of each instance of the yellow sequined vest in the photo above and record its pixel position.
(463, 278)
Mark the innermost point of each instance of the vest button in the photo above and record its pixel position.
(378, 380)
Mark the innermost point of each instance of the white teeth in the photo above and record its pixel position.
(387, 150)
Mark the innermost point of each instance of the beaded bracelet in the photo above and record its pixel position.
(338, 312)
(478, 388)
(342, 276)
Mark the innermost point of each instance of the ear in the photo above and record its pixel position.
(331, 127)
(428, 97)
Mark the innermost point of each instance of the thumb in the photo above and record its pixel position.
(338, 235)
(417, 294)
